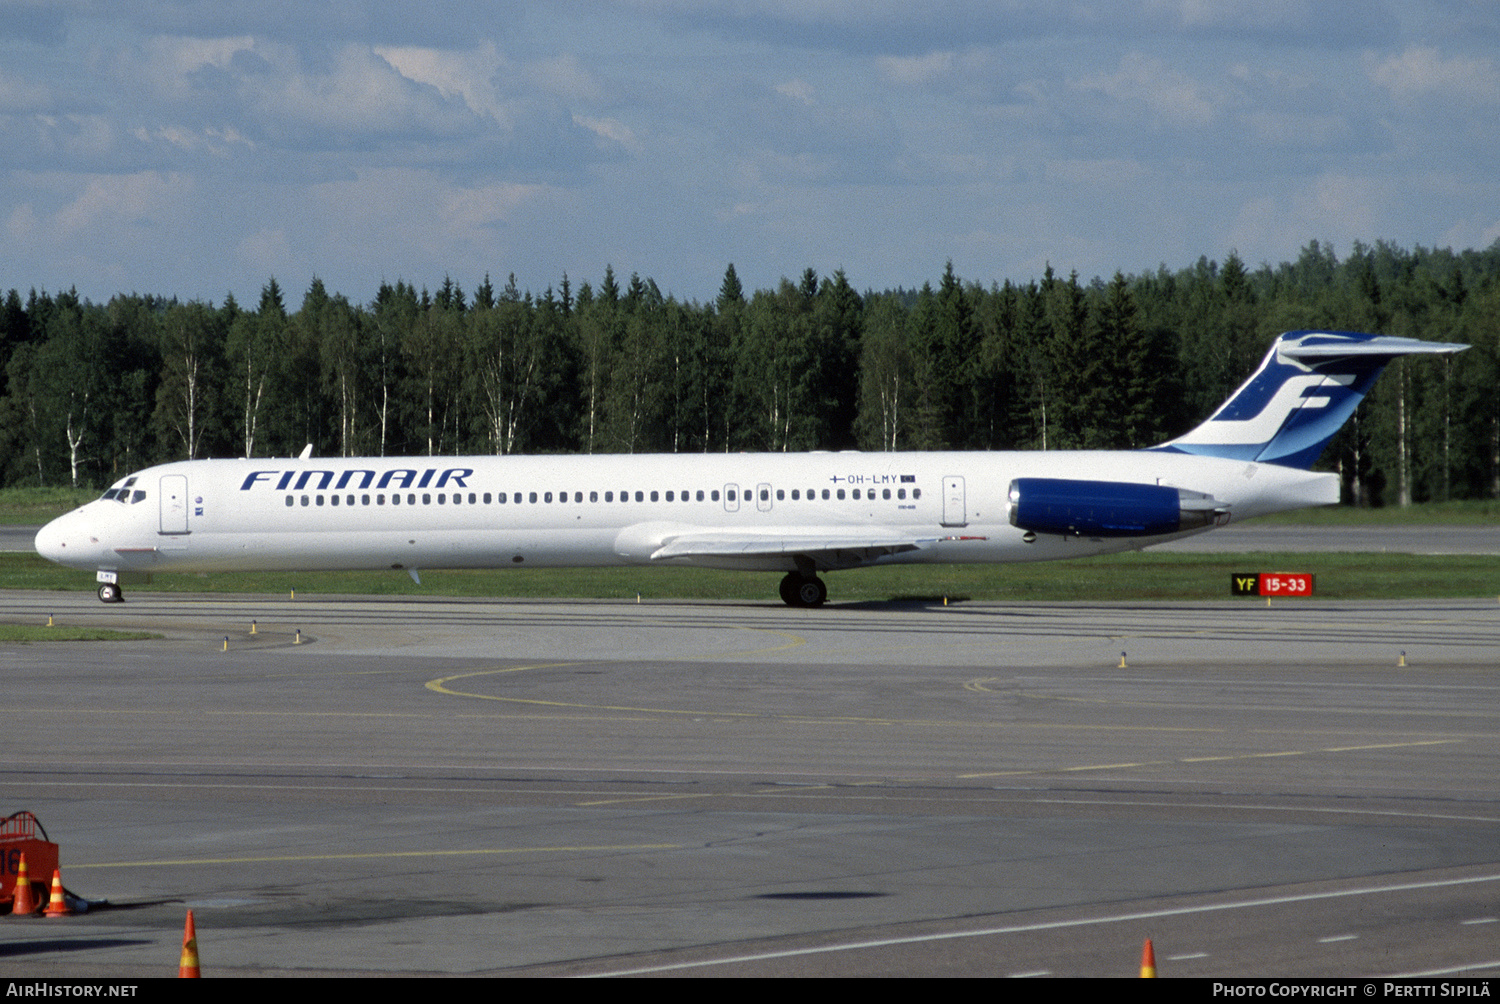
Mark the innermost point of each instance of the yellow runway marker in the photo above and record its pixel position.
(1203, 759)
(441, 684)
(188, 862)
(645, 798)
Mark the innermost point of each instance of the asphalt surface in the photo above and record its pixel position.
(456, 787)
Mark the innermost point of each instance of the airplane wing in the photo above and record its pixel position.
(826, 551)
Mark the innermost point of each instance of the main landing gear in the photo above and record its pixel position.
(110, 592)
(798, 590)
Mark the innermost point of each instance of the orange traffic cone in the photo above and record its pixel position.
(57, 904)
(188, 967)
(25, 902)
(1148, 961)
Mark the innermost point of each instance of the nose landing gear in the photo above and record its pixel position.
(799, 590)
(110, 592)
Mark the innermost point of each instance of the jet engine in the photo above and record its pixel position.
(1109, 508)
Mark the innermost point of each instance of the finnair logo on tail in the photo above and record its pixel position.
(1310, 390)
(1308, 385)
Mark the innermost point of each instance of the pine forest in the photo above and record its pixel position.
(94, 391)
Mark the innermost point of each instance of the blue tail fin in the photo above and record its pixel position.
(1307, 387)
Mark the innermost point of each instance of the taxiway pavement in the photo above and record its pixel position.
(449, 786)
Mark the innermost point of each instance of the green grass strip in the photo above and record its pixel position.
(1113, 578)
(25, 634)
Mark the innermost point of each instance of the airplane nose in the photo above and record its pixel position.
(70, 540)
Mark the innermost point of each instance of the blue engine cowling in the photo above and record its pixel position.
(1106, 508)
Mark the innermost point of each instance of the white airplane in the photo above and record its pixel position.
(797, 513)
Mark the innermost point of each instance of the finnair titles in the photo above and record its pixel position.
(800, 514)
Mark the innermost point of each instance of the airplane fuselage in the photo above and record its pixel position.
(773, 512)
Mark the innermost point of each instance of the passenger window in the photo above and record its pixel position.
(289, 501)
(593, 496)
(713, 496)
(653, 497)
(780, 495)
(669, 497)
(332, 499)
(700, 494)
(841, 494)
(304, 500)
(411, 499)
(901, 493)
(547, 497)
(578, 496)
(531, 497)
(796, 494)
(609, 496)
(916, 493)
(487, 498)
(825, 494)
(426, 499)
(380, 500)
(640, 496)
(363, 500)
(729, 495)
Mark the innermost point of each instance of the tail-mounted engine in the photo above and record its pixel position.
(1109, 508)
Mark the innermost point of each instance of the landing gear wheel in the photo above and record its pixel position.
(788, 588)
(110, 592)
(803, 590)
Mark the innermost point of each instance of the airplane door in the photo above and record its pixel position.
(174, 504)
(954, 513)
(763, 498)
(731, 498)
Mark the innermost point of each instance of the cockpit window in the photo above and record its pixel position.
(122, 493)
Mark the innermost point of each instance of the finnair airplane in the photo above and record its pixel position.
(801, 514)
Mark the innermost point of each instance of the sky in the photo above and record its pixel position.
(197, 148)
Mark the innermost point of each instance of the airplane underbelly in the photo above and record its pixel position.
(382, 549)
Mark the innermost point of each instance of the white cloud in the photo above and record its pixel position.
(568, 78)
(1147, 80)
(1340, 207)
(1298, 129)
(797, 90)
(612, 130)
(468, 75)
(1422, 73)
(911, 70)
(109, 200)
